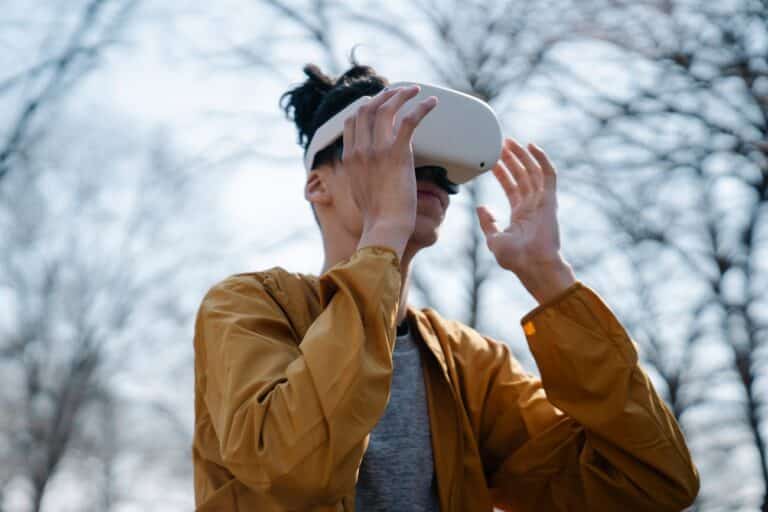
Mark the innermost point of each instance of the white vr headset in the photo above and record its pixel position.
(461, 135)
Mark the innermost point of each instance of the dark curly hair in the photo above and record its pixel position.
(320, 97)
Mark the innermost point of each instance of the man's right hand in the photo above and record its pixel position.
(378, 158)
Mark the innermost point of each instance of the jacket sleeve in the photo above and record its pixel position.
(291, 419)
(592, 434)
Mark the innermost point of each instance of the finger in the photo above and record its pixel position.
(348, 138)
(508, 184)
(364, 121)
(410, 121)
(548, 170)
(530, 166)
(518, 171)
(383, 124)
(487, 221)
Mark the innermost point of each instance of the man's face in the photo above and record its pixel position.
(432, 204)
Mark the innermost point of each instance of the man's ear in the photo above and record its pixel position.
(316, 191)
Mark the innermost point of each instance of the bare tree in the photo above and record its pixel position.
(673, 150)
(60, 64)
(95, 244)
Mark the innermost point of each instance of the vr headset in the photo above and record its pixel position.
(457, 141)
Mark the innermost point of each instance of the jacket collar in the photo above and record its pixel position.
(420, 320)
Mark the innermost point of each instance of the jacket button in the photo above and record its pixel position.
(529, 328)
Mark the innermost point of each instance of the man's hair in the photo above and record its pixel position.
(320, 97)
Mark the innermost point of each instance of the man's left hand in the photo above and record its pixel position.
(530, 245)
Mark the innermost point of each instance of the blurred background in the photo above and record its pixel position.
(143, 157)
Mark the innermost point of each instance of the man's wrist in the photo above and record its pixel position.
(545, 280)
(389, 235)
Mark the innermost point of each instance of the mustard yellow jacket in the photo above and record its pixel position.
(292, 372)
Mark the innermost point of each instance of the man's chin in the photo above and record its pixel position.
(426, 231)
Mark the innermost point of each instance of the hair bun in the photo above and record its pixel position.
(301, 102)
(320, 97)
(355, 72)
(319, 79)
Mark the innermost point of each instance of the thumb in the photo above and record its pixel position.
(487, 221)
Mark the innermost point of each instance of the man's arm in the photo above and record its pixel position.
(592, 434)
(291, 420)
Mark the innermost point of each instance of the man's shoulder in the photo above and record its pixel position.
(276, 281)
(472, 352)
(294, 295)
(459, 336)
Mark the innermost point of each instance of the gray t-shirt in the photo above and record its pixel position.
(397, 472)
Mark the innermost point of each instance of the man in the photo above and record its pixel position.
(301, 400)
